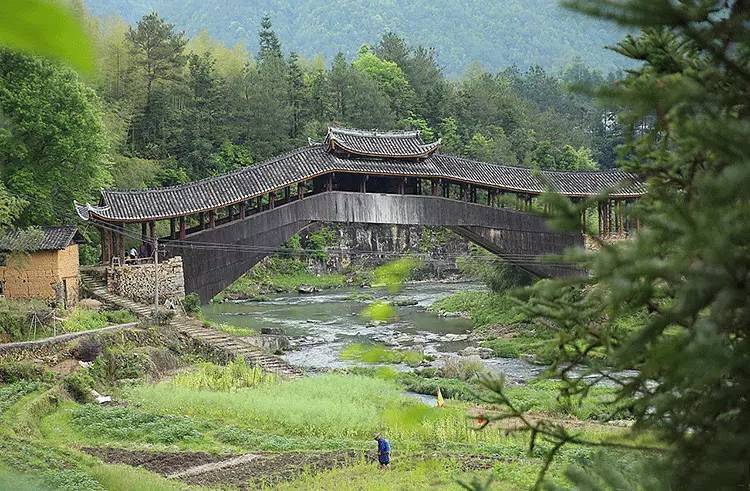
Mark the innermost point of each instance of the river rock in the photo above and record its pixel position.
(403, 302)
(272, 330)
(270, 343)
(306, 289)
(483, 353)
(455, 337)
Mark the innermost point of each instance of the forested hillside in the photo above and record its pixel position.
(167, 108)
(495, 33)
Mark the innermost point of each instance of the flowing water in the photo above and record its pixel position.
(320, 325)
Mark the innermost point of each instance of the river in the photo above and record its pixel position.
(320, 325)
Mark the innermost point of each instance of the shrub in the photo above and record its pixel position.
(15, 371)
(87, 349)
(462, 367)
(191, 303)
(127, 362)
(162, 316)
(78, 385)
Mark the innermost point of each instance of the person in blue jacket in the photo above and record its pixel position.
(384, 451)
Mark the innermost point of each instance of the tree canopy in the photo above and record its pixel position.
(496, 34)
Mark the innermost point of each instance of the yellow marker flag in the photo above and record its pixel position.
(440, 401)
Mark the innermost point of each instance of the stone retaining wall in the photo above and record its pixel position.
(57, 347)
(137, 281)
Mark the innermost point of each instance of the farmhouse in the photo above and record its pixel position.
(40, 263)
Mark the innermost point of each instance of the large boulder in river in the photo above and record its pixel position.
(306, 289)
(483, 353)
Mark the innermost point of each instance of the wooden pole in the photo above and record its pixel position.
(121, 235)
(242, 210)
(271, 200)
(211, 218)
(172, 229)
(183, 228)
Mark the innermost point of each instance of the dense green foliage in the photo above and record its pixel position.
(52, 144)
(237, 374)
(496, 34)
(688, 268)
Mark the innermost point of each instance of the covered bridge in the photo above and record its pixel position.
(354, 176)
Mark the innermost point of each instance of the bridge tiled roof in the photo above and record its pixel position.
(398, 145)
(308, 162)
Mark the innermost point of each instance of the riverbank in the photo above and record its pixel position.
(180, 433)
(500, 325)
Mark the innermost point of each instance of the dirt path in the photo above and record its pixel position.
(214, 466)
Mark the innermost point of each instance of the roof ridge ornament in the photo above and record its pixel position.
(348, 142)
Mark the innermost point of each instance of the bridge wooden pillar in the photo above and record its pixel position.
(143, 232)
(402, 186)
(463, 195)
(287, 192)
(271, 200)
(106, 245)
(172, 229)
(211, 218)
(242, 210)
(300, 190)
(363, 184)
(183, 228)
(491, 197)
(329, 182)
(230, 213)
(202, 220)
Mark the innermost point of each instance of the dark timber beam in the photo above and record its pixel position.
(506, 232)
(183, 228)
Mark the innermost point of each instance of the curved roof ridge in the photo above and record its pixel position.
(375, 132)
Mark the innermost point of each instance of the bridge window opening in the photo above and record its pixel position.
(347, 182)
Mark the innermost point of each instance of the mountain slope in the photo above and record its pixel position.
(496, 33)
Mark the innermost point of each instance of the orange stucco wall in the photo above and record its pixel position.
(37, 274)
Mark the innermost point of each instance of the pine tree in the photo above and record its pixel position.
(296, 95)
(157, 52)
(269, 42)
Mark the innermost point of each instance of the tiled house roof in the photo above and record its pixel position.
(42, 239)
